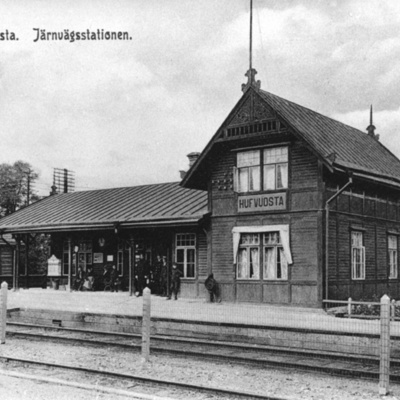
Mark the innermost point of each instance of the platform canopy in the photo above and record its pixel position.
(165, 204)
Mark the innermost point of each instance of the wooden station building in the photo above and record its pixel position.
(284, 205)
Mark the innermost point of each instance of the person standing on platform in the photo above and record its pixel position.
(114, 279)
(175, 281)
(139, 276)
(157, 275)
(164, 277)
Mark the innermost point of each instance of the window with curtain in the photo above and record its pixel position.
(250, 177)
(276, 168)
(393, 256)
(275, 263)
(248, 264)
(357, 255)
(248, 167)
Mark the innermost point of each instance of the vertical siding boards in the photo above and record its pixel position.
(304, 238)
(202, 255)
(222, 172)
(304, 230)
(333, 272)
(6, 260)
(303, 168)
(382, 272)
(375, 214)
(343, 249)
(222, 248)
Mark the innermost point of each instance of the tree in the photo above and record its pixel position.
(16, 182)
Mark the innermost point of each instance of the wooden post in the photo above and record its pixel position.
(27, 260)
(17, 263)
(3, 311)
(168, 274)
(70, 252)
(146, 324)
(349, 308)
(393, 310)
(131, 263)
(384, 348)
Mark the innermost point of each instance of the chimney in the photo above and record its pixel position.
(53, 190)
(192, 158)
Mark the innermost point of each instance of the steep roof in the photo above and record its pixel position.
(158, 204)
(351, 147)
(338, 145)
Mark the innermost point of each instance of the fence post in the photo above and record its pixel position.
(349, 308)
(146, 324)
(3, 311)
(393, 310)
(384, 351)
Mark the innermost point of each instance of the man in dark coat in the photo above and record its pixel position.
(175, 281)
(139, 282)
(164, 277)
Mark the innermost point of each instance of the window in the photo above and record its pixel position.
(248, 262)
(120, 258)
(250, 177)
(392, 249)
(65, 258)
(357, 256)
(248, 164)
(276, 168)
(185, 255)
(262, 252)
(85, 256)
(275, 263)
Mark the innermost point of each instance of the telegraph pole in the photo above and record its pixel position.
(29, 187)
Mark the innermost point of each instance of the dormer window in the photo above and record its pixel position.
(262, 169)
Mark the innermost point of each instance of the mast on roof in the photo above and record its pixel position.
(371, 127)
(251, 73)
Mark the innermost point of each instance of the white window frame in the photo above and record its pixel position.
(247, 248)
(120, 257)
(283, 230)
(249, 168)
(256, 164)
(280, 158)
(393, 256)
(279, 261)
(191, 238)
(66, 254)
(357, 247)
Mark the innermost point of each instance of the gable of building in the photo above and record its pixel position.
(337, 145)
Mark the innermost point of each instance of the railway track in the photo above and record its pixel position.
(339, 364)
(142, 385)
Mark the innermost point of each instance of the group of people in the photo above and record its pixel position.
(84, 280)
(161, 279)
(157, 277)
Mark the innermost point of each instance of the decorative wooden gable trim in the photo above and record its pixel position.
(253, 109)
(253, 116)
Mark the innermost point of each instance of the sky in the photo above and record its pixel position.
(125, 113)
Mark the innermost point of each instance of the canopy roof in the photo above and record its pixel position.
(137, 206)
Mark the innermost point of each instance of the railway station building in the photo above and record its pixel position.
(284, 206)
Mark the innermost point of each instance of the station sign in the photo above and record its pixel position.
(262, 202)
